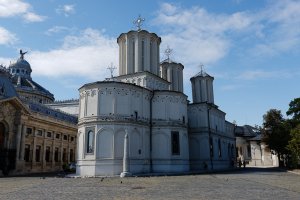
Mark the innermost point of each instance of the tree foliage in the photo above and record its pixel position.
(294, 111)
(283, 135)
(276, 131)
(294, 146)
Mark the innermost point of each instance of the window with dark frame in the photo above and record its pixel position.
(136, 115)
(65, 137)
(57, 136)
(56, 154)
(47, 156)
(175, 143)
(211, 147)
(71, 155)
(29, 131)
(49, 134)
(38, 153)
(27, 153)
(64, 155)
(249, 151)
(39, 132)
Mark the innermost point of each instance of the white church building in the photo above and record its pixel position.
(141, 121)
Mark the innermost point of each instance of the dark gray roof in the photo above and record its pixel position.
(246, 131)
(7, 90)
(29, 85)
(47, 111)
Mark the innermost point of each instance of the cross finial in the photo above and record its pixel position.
(139, 22)
(168, 52)
(111, 68)
(202, 68)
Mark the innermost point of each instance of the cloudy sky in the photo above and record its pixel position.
(250, 47)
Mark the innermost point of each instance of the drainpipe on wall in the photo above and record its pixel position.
(150, 127)
(209, 135)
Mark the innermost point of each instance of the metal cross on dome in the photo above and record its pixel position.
(111, 68)
(139, 22)
(168, 52)
(202, 68)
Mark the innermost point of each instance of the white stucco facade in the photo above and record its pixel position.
(164, 133)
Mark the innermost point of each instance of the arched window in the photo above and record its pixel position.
(90, 142)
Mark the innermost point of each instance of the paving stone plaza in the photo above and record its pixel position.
(249, 183)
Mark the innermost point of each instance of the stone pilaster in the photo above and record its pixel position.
(18, 140)
(22, 148)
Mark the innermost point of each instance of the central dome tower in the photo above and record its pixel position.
(138, 51)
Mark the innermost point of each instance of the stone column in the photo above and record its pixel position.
(126, 167)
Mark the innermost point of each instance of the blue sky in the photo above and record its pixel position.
(250, 47)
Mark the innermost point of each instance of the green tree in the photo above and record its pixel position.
(276, 132)
(294, 111)
(294, 143)
(294, 146)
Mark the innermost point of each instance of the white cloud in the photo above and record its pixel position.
(32, 17)
(66, 10)
(85, 55)
(6, 37)
(10, 8)
(198, 36)
(280, 23)
(58, 29)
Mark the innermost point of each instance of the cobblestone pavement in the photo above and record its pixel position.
(249, 183)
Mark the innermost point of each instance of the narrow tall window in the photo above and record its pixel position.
(71, 155)
(47, 156)
(27, 153)
(89, 142)
(175, 143)
(56, 154)
(64, 155)
(136, 115)
(249, 151)
(211, 147)
(38, 153)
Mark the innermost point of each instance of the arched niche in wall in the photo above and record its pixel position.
(104, 144)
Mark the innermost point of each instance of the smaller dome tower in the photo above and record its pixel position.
(172, 72)
(202, 88)
(21, 67)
